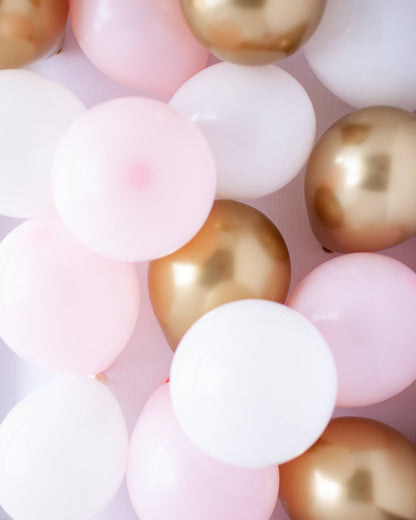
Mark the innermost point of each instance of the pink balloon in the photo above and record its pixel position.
(63, 307)
(170, 478)
(364, 304)
(142, 43)
(133, 179)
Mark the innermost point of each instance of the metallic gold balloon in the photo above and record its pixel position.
(30, 30)
(358, 470)
(360, 183)
(238, 254)
(253, 32)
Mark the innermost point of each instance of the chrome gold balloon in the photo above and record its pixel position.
(360, 183)
(238, 254)
(253, 32)
(358, 470)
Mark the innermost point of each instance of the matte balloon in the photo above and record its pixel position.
(35, 113)
(364, 305)
(133, 179)
(141, 44)
(253, 383)
(169, 477)
(63, 307)
(259, 122)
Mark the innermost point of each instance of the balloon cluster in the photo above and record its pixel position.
(255, 376)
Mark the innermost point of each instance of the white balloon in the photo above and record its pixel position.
(364, 52)
(259, 122)
(35, 113)
(63, 452)
(253, 383)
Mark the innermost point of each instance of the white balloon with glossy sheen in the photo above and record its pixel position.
(259, 122)
(253, 383)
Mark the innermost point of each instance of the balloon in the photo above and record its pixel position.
(359, 469)
(141, 44)
(35, 113)
(168, 477)
(364, 305)
(259, 122)
(133, 180)
(63, 452)
(253, 383)
(360, 183)
(238, 254)
(254, 32)
(30, 30)
(363, 52)
(63, 307)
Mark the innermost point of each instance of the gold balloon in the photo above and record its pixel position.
(358, 470)
(253, 32)
(238, 254)
(360, 183)
(30, 30)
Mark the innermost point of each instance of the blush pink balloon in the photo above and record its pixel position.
(170, 478)
(63, 307)
(364, 304)
(141, 43)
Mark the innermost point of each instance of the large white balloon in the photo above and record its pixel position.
(63, 452)
(253, 383)
(259, 122)
(364, 52)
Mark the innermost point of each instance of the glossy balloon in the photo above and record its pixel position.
(360, 183)
(259, 123)
(253, 32)
(364, 304)
(359, 469)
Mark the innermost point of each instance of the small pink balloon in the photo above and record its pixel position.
(133, 179)
(63, 307)
(364, 304)
(170, 478)
(141, 43)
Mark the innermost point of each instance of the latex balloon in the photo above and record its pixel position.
(253, 383)
(238, 254)
(358, 469)
(198, 487)
(63, 452)
(253, 32)
(141, 44)
(259, 123)
(360, 184)
(124, 185)
(35, 112)
(363, 52)
(63, 307)
(30, 30)
(363, 304)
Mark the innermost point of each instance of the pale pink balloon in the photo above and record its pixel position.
(364, 304)
(141, 43)
(170, 478)
(62, 307)
(133, 179)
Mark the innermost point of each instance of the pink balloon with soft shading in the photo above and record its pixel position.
(364, 304)
(170, 478)
(141, 43)
(62, 307)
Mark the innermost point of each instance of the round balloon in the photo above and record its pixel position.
(63, 452)
(133, 179)
(259, 122)
(253, 383)
(63, 307)
(363, 304)
(35, 113)
(198, 486)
